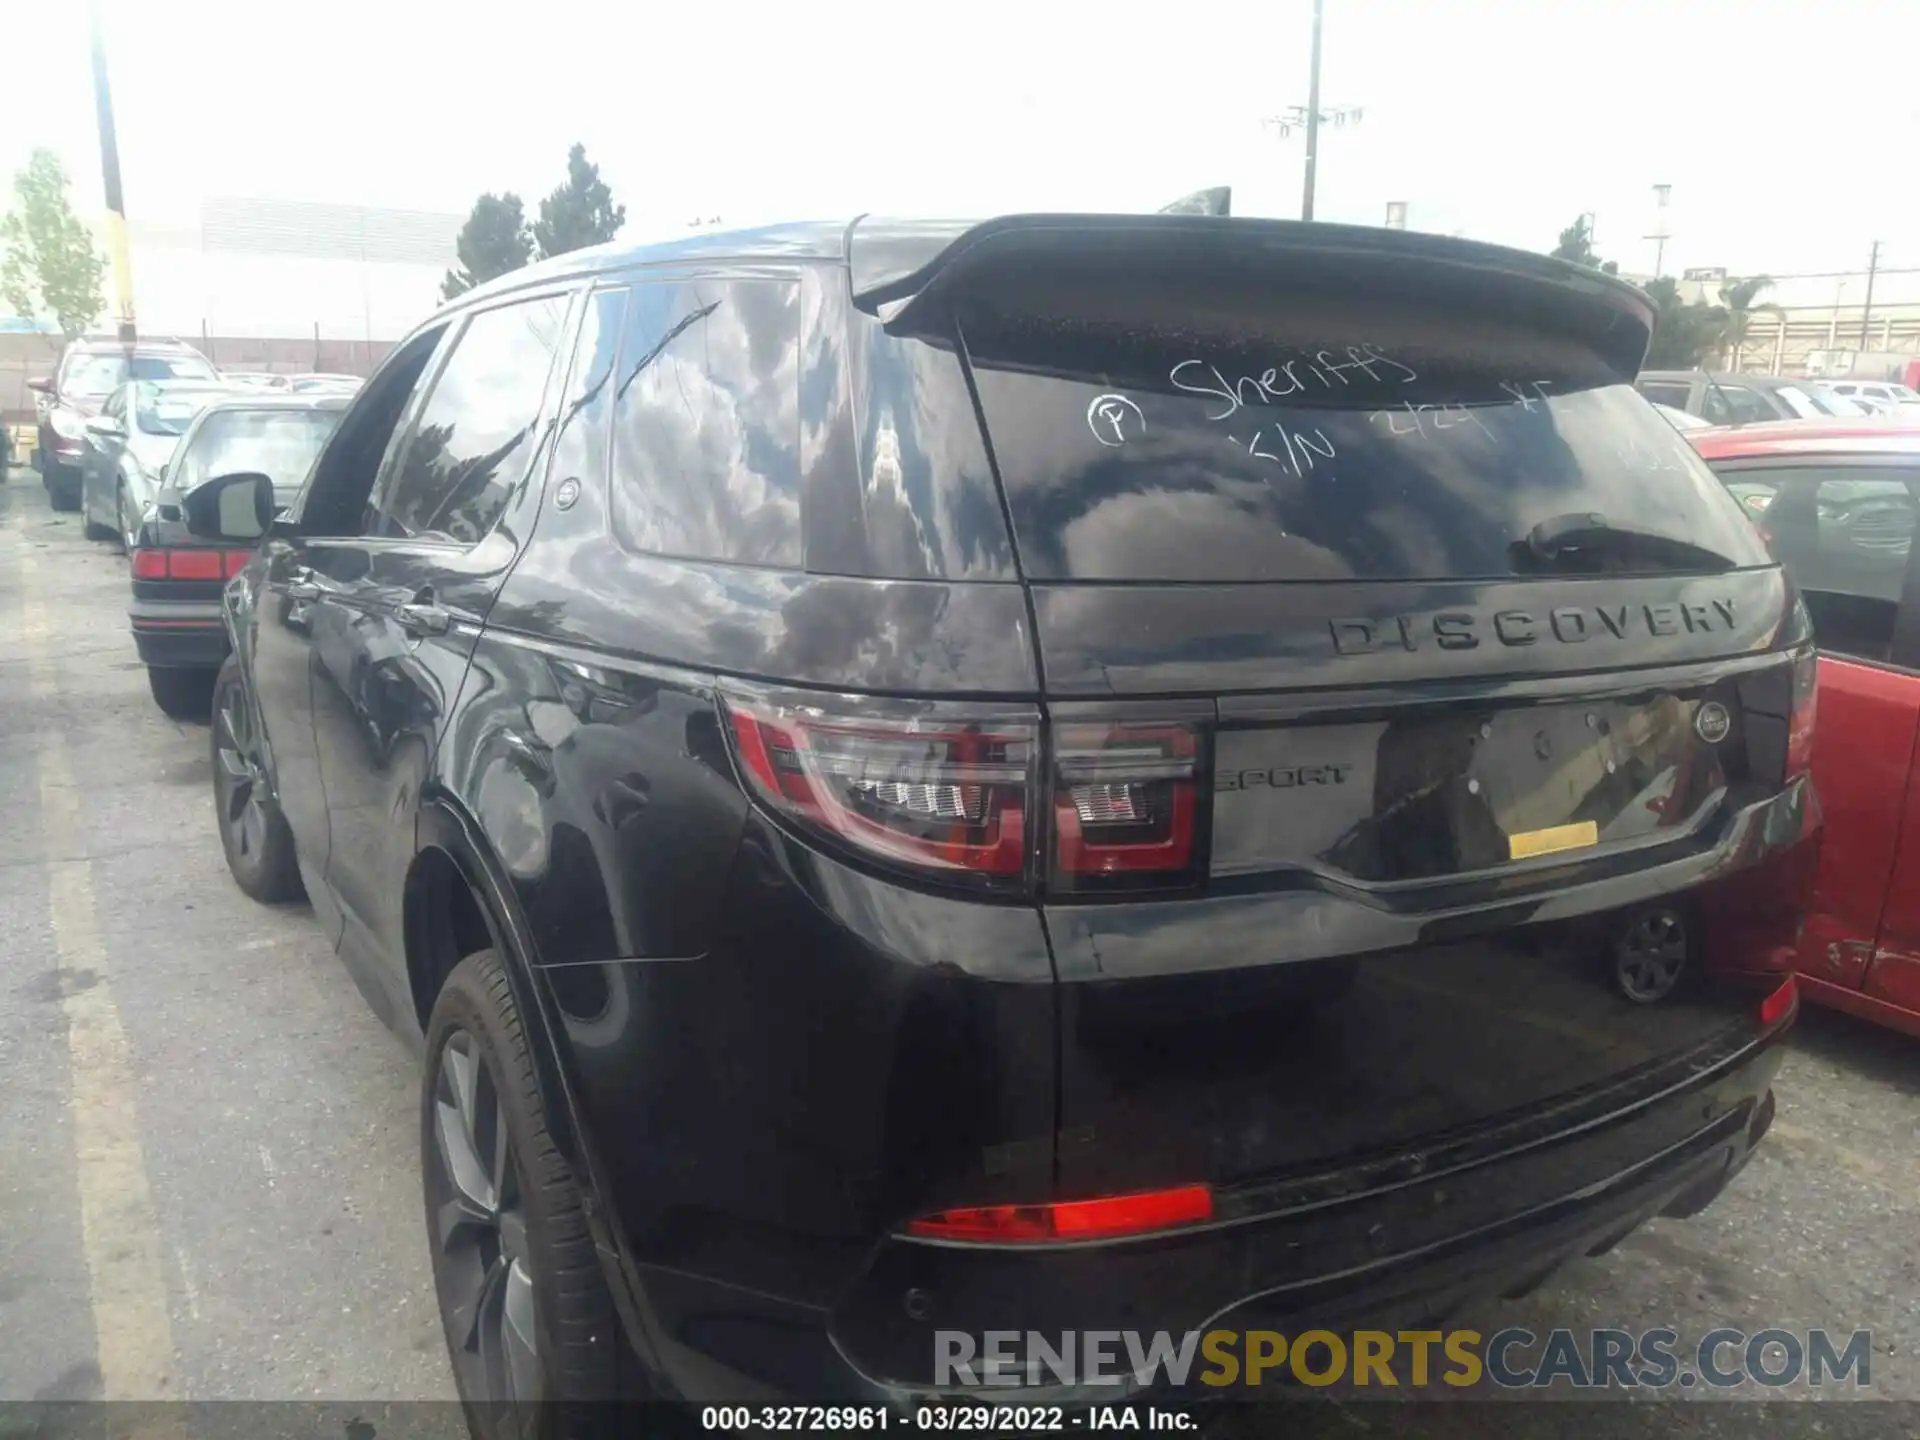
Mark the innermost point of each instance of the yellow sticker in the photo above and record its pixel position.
(1554, 838)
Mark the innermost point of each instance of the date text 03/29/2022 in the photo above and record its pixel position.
(961, 1418)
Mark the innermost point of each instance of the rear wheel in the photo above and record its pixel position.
(121, 522)
(182, 694)
(529, 1322)
(253, 832)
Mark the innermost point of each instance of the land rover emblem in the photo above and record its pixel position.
(1712, 723)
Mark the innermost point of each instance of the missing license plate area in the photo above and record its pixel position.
(1552, 840)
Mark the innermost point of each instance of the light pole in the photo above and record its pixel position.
(1310, 117)
(1660, 232)
(110, 180)
(1313, 118)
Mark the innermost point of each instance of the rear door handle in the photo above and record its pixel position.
(417, 618)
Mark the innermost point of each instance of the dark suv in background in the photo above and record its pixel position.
(1066, 773)
(90, 370)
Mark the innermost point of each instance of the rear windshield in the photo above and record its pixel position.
(280, 444)
(1204, 436)
(161, 409)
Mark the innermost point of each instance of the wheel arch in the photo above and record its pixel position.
(453, 866)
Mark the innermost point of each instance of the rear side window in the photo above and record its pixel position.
(1743, 406)
(1845, 535)
(706, 421)
(1248, 436)
(280, 444)
(1662, 393)
(475, 436)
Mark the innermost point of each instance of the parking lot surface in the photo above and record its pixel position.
(208, 1173)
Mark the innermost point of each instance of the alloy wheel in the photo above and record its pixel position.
(1650, 956)
(482, 1264)
(120, 519)
(240, 783)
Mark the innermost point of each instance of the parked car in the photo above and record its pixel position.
(1838, 510)
(126, 449)
(255, 380)
(323, 384)
(1086, 796)
(175, 614)
(89, 371)
(1881, 397)
(1743, 399)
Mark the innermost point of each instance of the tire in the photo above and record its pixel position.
(182, 694)
(94, 530)
(123, 532)
(253, 832)
(63, 486)
(513, 1259)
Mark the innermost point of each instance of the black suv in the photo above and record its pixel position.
(1067, 773)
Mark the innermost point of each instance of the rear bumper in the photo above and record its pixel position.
(179, 634)
(1407, 1252)
(1409, 1244)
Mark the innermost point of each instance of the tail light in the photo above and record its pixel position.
(1125, 803)
(1806, 698)
(959, 793)
(1780, 1004)
(1108, 1218)
(931, 787)
(194, 564)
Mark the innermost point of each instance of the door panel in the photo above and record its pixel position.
(280, 630)
(1893, 974)
(1861, 766)
(402, 604)
(382, 685)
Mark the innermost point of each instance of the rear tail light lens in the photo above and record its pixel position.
(934, 788)
(1126, 803)
(196, 564)
(1806, 696)
(960, 793)
(1108, 1218)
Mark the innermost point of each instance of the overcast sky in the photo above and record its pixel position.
(1789, 133)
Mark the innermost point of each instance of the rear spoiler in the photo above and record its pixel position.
(903, 272)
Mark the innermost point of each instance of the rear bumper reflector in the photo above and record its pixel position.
(1108, 1218)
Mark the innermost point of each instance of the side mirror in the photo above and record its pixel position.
(236, 507)
(43, 384)
(105, 426)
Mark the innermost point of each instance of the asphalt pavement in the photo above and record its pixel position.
(208, 1170)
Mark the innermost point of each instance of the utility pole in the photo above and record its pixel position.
(110, 178)
(1661, 194)
(1866, 309)
(1310, 117)
(1313, 118)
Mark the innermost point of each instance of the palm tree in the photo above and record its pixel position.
(1739, 296)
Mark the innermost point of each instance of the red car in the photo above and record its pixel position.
(1837, 504)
